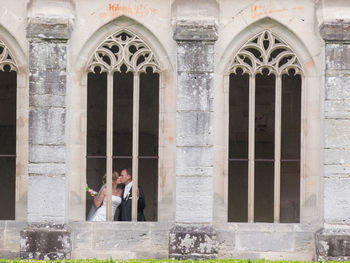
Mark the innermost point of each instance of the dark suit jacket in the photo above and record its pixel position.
(125, 207)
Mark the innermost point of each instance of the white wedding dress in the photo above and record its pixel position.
(100, 214)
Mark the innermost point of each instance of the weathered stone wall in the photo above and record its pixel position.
(119, 240)
(191, 224)
(45, 242)
(47, 119)
(47, 166)
(10, 238)
(194, 133)
(332, 242)
(277, 242)
(194, 123)
(156, 240)
(337, 134)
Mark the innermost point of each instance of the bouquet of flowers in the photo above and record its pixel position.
(88, 189)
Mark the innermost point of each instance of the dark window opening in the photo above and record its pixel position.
(290, 148)
(8, 102)
(122, 132)
(264, 147)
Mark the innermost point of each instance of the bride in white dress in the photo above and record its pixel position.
(100, 202)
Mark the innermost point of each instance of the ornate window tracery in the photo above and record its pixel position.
(264, 131)
(266, 51)
(123, 48)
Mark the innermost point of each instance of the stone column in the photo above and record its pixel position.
(333, 241)
(47, 236)
(193, 235)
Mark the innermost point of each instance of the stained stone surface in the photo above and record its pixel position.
(47, 185)
(333, 244)
(192, 241)
(337, 30)
(196, 68)
(45, 241)
(337, 133)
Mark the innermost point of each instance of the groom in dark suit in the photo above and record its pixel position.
(125, 206)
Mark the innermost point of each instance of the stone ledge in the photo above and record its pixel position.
(335, 31)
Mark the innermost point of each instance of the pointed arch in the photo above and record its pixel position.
(266, 50)
(149, 52)
(123, 48)
(126, 24)
(284, 33)
(311, 89)
(13, 59)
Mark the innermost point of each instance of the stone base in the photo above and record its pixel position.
(45, 241)
(333, 244)
(192, 242)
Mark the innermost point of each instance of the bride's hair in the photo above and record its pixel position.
(115, 176)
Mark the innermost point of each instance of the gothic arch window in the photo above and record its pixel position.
(123, 116)
(264, 148)
(8, 110)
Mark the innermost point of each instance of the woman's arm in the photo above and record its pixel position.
(99, 200)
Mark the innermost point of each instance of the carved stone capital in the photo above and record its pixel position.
(335, 31)
(195, 31)
(49, 29)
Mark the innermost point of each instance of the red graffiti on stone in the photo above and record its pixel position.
(261, 10)
(137, 11)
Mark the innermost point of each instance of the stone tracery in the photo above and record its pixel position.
(123, 48)
(266, 51)
(6, 58)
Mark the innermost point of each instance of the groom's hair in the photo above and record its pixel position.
(129, 172)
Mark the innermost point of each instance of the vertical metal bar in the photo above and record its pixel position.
(251, 149)
(277, 171)
(109, 146)
(135, 145)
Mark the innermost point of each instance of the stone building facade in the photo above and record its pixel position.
(248, 122)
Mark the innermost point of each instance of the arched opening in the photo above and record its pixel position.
(8, 119)
(123, 116)
(264, 132)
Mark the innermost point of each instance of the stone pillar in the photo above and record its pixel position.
(333, 241)
(193, 235)
(47, 182)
